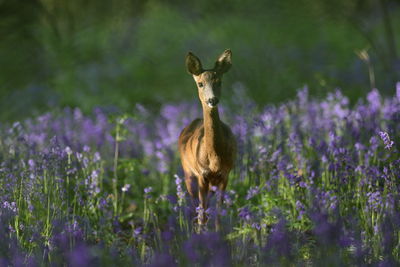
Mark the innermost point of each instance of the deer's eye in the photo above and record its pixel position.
(200, 84)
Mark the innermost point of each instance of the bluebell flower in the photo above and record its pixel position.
(386, 140)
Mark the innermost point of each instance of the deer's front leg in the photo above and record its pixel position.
(203, 199)
(220, 201)
(192, 187)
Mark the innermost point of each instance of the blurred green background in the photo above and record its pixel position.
(117, 53)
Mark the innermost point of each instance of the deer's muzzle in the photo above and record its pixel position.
(212, 102)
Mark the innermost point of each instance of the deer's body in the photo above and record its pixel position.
(207, 146)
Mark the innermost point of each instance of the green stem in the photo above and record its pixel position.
(115, 178)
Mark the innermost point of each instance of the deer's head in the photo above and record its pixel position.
(209, 81)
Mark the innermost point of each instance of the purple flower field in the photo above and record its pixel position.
(316, 182)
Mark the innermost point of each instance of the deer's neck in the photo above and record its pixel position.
(212, 130)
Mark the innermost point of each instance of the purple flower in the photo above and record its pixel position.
(228, 198)
(300, 208)
(207, 249)
(80, 256)
(31, 164)
(200, 212)
(359, 147)
(79, 156)
(252, 192)
(386, 140)
(303, 184)
(245, 214)
(137, 232)
(96, 157)
(10, 206)
(302, 96)
(178, 180)
(256, 226)
(279, 240)
(179, 192)
(373, 141)
(326, 231)
(68, 150)
(374, 100)
(147, 192)
(374, 201)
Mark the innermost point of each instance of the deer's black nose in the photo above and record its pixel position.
(213, 101)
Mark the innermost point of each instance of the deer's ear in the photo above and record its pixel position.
(193, 64)
(224, 62)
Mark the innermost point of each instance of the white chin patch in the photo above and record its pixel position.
(211, 106)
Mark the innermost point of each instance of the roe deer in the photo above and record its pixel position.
(207, 146)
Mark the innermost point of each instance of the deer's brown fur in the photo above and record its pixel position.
(207, 146)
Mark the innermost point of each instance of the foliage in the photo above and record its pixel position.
(119, 53)
(316, 181)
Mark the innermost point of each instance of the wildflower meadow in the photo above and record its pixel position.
(316, 181)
